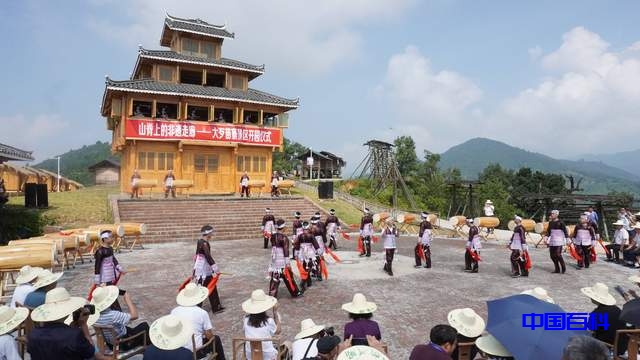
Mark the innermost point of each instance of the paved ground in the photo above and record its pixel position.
(409, 304)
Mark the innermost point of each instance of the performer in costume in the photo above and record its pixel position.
(268, 226)
(168, 184)
(333, 226)
(366, 232)
(307, 249)
(423, 247)
(389, 238)
(317, 233)
(107, 270)
(518, 246)
(584, 237)
(556, 239)
(244, 185)
(322, 226)
(134, 183)
(274, 184)
(297, 230)
(280, 267)
(472, 248)
(204, 267)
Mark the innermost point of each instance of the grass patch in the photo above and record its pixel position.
(74, 209)
(346, 212)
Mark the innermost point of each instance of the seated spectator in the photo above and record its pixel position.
(620, 240)
(103, 299)
(306, 344)
(55, 340)
(469, 326)
(540, 294)
(361, 352)
(606, 304)
(585, 348)
(631, 252)
(4, 198)
(443, 341)
(25, 280)
(492, 348)
(10, 319)
(258, 325)
(190, 307)
(168, 336)
(45, 281)
(329, 347)
(360, 312)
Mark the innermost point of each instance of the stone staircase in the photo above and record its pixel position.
(177, 220)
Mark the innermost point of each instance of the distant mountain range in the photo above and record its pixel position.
(627, 160)
(472, 156)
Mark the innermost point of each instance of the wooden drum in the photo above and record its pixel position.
(134, 229)
(541, 227)
(15, 257)
(486, 222)
(458, 220)
(529, 225)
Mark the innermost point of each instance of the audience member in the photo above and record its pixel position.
(540, 294)
(606, 306)
(585, 348)
(631, 252)
(10, 319)
(620, 241)
(469, 326)
(190, 307)
(258, 325)
(360, 312)
(306, 344)
(492, 348)
(443, 342)
(329, 347)
(103, 299)
(45, 281)
(362, 352)
(24, 280)
(168, 335)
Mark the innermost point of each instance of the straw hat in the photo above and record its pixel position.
(46, 277)
(192, 295)
(27, 274)
(104, 296)
(636, 226)
(361, 352)
(308, 328)
(634, 278)
(489, 345)
(10, 318)
(540, 294)
(488, 202)
(170, 332)
(618, 223)
(466, 321)
(259, 302)
(58, 305)
(600, 293)
(359, 305)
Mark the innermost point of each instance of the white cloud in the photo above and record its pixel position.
(300, 36)
(43, 134)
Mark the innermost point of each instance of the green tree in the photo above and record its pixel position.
(406, 155)
(287, 159)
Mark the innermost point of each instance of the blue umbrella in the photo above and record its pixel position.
(506, 324)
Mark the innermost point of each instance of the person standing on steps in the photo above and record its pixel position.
(135, 178)
(389, 238)
(205, 268)
(366, 232)
(557, 236)
(168, 184)
(268, 226)
(244, 185)
(423, 247)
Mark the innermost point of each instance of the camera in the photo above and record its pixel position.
(88, 309)
(122, 292)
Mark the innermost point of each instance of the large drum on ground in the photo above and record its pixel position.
(570, 229)
(116, 229)
(134, 229)
(406, 218)
(286, 184)
(541, 227)
(486, 222)
(15, 257)
(458, 220)
(529, 225)
(380, 217)
(257, 183)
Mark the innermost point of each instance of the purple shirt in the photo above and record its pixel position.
(361, 328)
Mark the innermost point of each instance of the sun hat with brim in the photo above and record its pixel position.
(11, 318)
(46, 277)
(27, 274)
(170, 332)
(104, 296)
(90, 320)
(467, 322)
(308, 328)
(489, 345)
(488, 202)
(359, 305)
(259, 302)
(618, 223)
(192, 294)
(634, 278)
(58, 305)
(540, 294)
(599, 293)
(636, 226)
(361, 352)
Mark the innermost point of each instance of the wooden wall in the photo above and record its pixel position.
(107, 176)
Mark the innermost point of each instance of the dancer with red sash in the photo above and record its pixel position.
(297, 231)
(518, 247)
(333, 227)
(389, 238)
(205, 269)
(280, 267)
(268, 226)
(318, 235)
(472, 252)
(307, 249)
(584, 238)
(423, 247)
(366, 233)
(556, 239)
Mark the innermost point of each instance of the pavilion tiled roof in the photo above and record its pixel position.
(197, 26)
(168, 55)
(10, 153)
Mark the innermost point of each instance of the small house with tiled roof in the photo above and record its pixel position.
(189, 109)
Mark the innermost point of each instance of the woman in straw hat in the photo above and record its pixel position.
(258, 325)
(360, 312)
(189, 307)
(306, 341)
(518, 245)
(492, 348)
(584, 237)
(45, 281)
(204, 267)
(10, 319)
(280, 267)
(307, 249)
(606, 313)
(556, 236)
(25, 280)
(55, 340)
(469, 326)
(620, 240)
(366, 232)
(423, 247)
(472, 251)
(389, 241)
(169, 336)
(540, 294)
(631, 252)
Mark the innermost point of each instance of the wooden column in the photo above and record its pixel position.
(177, 168)
(241, 116)
(153, 109)
(212, 111)
(260, 117)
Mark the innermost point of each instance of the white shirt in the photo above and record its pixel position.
(20, 293)
(264, 332)
(488, 210)
(621, 237)
(8, 348)
(199, 319)
(300, 346)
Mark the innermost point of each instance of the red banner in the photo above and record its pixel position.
(185, 130)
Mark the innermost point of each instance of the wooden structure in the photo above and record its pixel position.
(325, 165)
(15, 177)
(9, 153)
(189, 109)
(106, 172)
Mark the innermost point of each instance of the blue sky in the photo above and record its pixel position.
(555, 77)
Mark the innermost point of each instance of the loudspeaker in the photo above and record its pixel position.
(325, 190)
(31, 195)
(43, 196)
